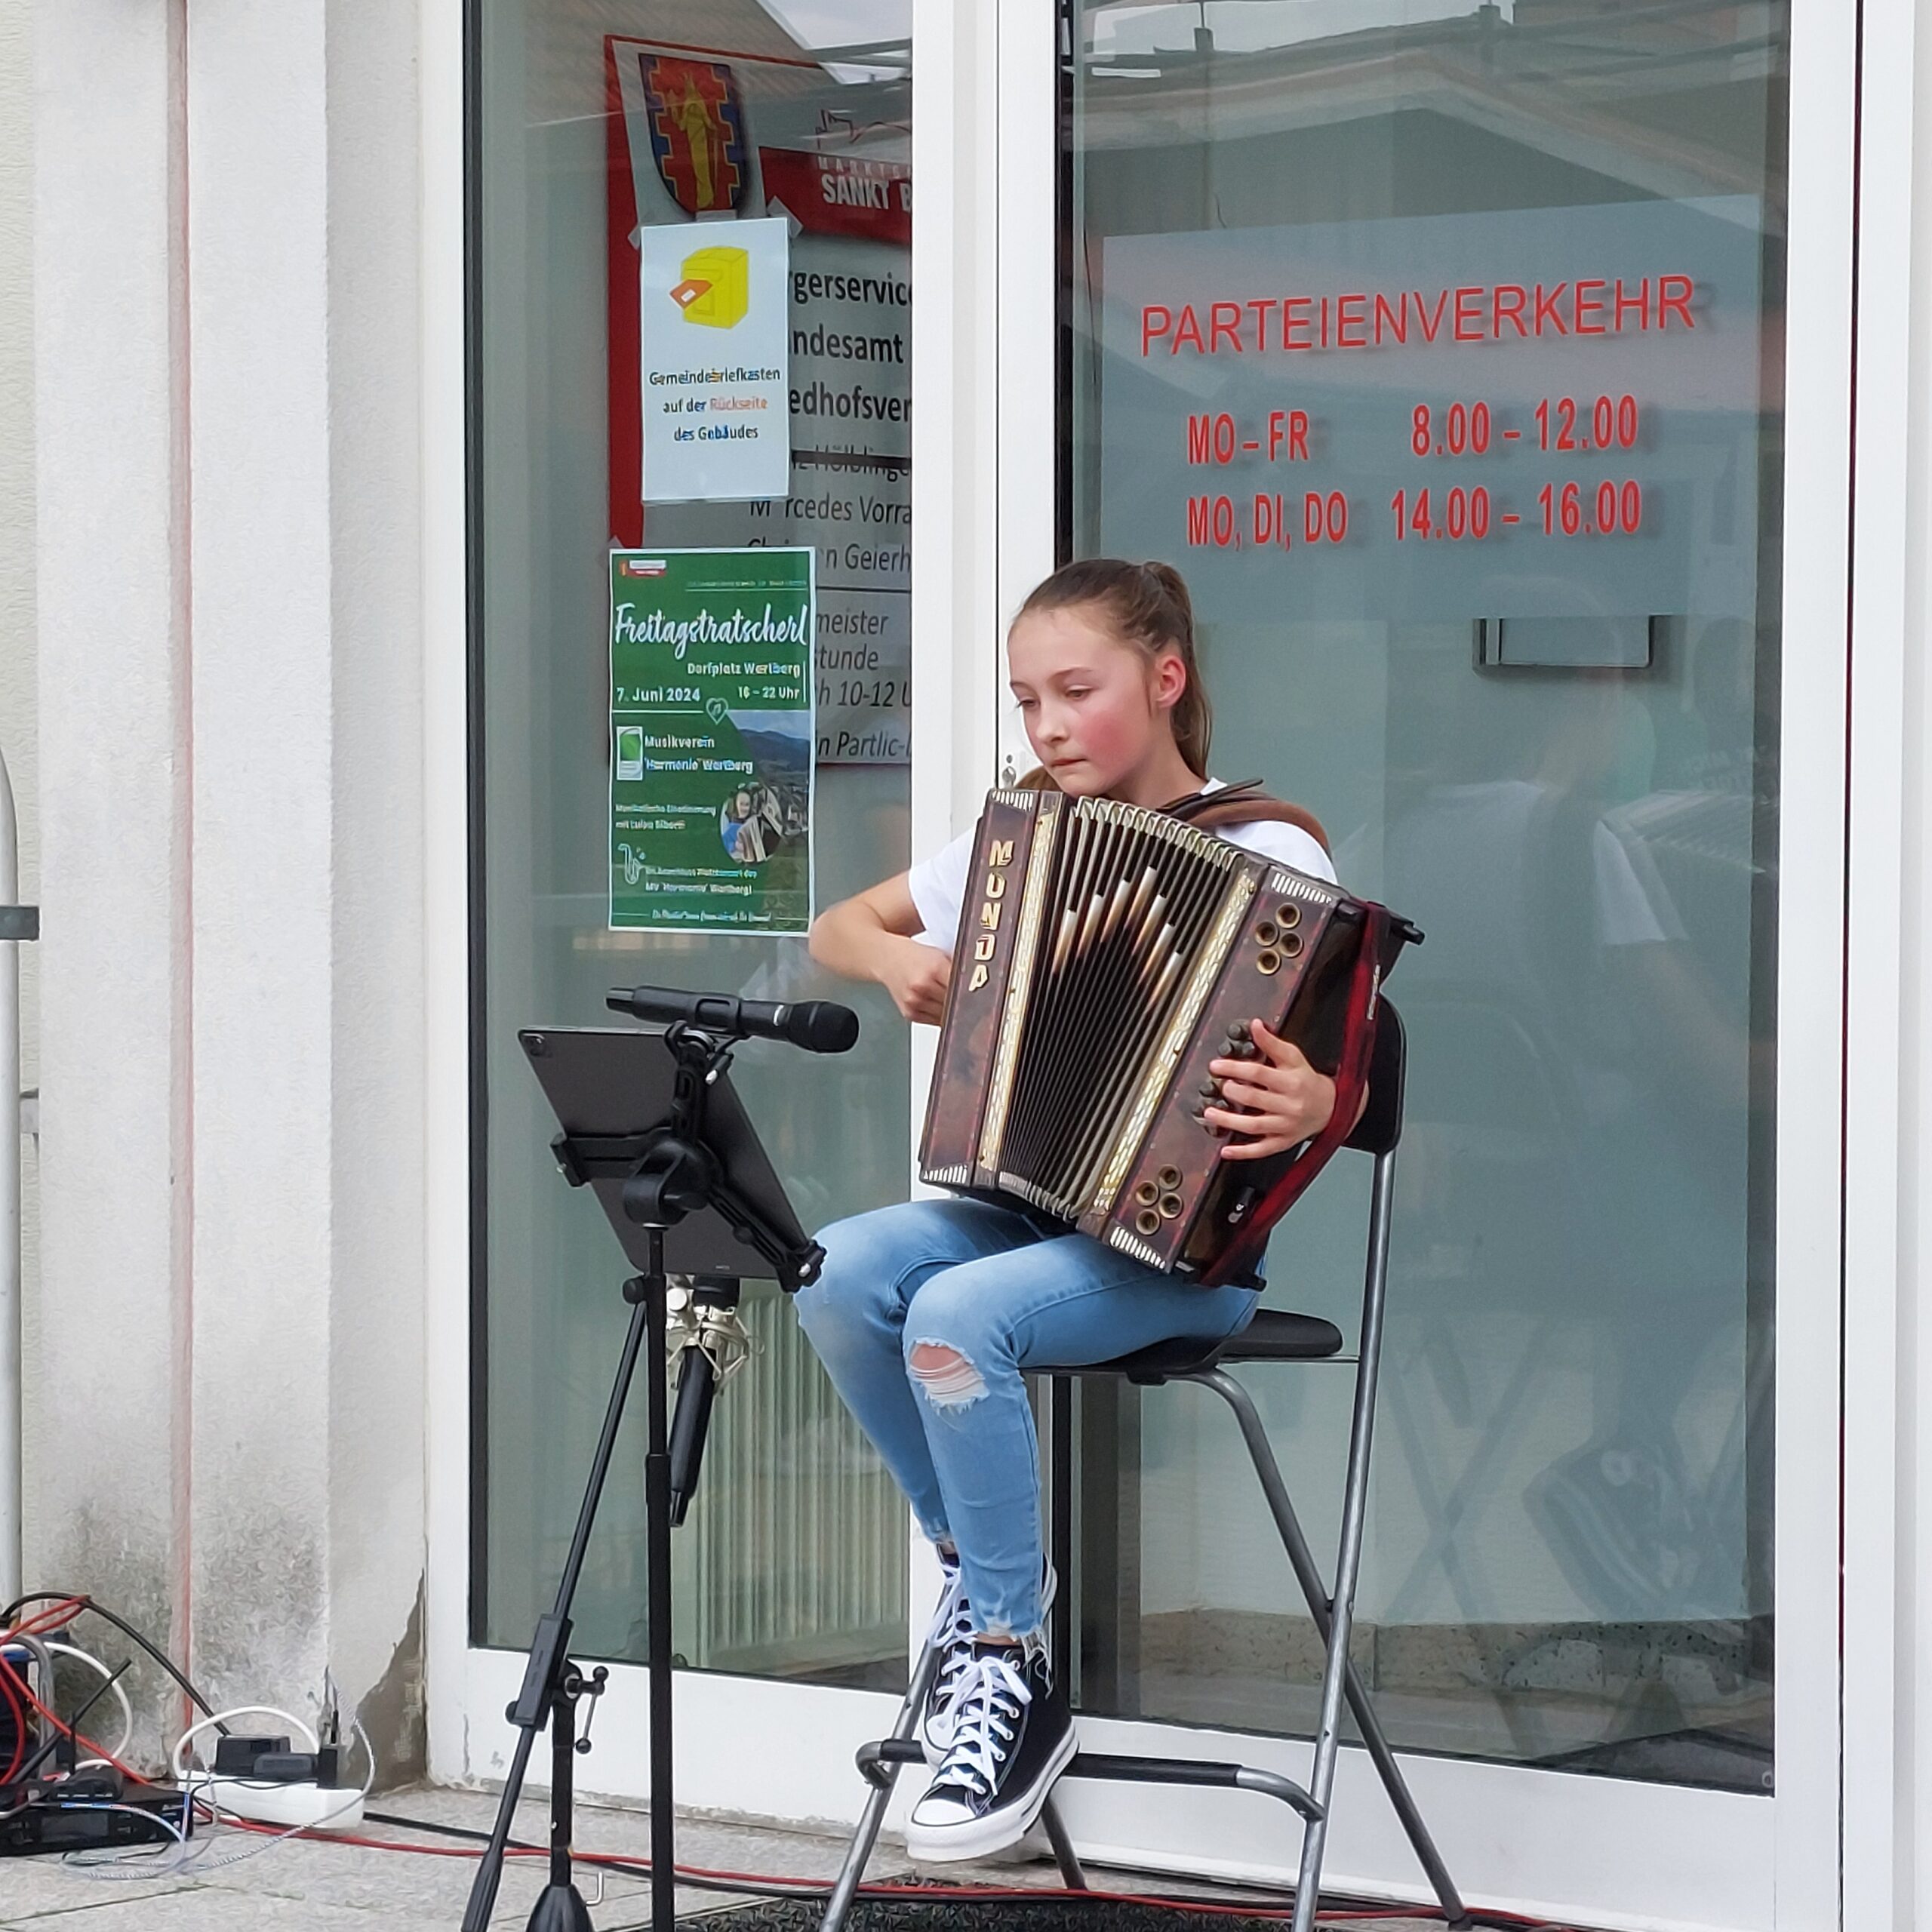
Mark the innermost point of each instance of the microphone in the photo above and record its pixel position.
(697, 1384)
(818, 1026)
(709, 1344)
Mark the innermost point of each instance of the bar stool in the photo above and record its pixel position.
(1272, 1336)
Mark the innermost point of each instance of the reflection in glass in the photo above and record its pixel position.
(1550, 741)
(793, 1561)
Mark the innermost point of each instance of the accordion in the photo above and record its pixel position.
(1106, 954)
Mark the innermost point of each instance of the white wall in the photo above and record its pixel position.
(231, 1332)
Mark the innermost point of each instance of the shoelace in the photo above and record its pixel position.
(952, 1635)
(992, 1695)
(954, 1665)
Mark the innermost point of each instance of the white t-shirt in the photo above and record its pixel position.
(938, 884)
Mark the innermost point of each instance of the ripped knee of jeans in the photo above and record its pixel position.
(949, 1378)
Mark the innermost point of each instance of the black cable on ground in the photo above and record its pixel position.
(443, 1831)
(87, 1607)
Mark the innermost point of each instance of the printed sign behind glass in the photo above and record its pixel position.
(700, 172)
(715, 422)
(711, 740)
(1539, 414)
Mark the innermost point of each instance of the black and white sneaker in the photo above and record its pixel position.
(952, 1635)
(1012, 1737)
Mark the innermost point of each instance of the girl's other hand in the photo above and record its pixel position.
(916, 976)
(869, 936)
(1286, 1102)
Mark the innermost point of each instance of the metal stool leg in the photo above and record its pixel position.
(1070, 1874)
(1348, 1562)
(1301, 1559)
(1059, 1634)
(881, 1777)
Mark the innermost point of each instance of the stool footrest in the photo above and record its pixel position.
(873, 1759)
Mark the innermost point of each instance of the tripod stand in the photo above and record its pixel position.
(700, 1172)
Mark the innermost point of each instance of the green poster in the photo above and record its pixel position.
(711, 740)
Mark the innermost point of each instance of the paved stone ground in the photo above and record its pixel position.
(322, 1887)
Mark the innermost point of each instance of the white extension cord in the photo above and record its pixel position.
(306, 1806)
(303, 1806)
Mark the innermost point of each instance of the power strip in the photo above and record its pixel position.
(306, 1804)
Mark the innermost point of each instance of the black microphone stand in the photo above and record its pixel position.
(669, 1172)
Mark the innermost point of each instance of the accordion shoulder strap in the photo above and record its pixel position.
(1242, 805)
(1237, 1261)
(1227, 804)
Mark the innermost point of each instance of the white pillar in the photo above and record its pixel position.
(264, 793)
(308, 997)
(110, 1363)
(232, 731)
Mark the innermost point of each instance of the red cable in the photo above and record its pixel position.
(81, 1737)
(15, 1688)
(810, 1887)
(57, 1617)
(7, 1682)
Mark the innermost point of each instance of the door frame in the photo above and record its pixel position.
(984, 140)
(1710, 1858)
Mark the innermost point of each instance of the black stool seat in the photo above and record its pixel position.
(1273, 1335)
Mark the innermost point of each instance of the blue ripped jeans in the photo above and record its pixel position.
(925, 1316)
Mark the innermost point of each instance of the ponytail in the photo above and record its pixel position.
(1148, 605)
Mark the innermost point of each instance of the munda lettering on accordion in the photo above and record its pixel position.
(1106, 954)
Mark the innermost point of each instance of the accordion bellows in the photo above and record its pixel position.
(1106, 954)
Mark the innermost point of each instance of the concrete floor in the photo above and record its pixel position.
(321, 1886)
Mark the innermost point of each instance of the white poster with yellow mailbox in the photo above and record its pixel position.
(717, 416)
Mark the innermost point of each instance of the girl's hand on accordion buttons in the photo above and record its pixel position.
(916, 976)
(1284, 1101)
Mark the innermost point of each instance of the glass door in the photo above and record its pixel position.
(1441, 348)
(692, 289)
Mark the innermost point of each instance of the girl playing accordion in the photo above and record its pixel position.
(926, 1314)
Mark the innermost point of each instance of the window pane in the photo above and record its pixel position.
(793, 1560)
(1440, 346)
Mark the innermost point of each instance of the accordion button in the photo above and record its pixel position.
(1210, 1090)
(1170, 1178)
(1238, 1033)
